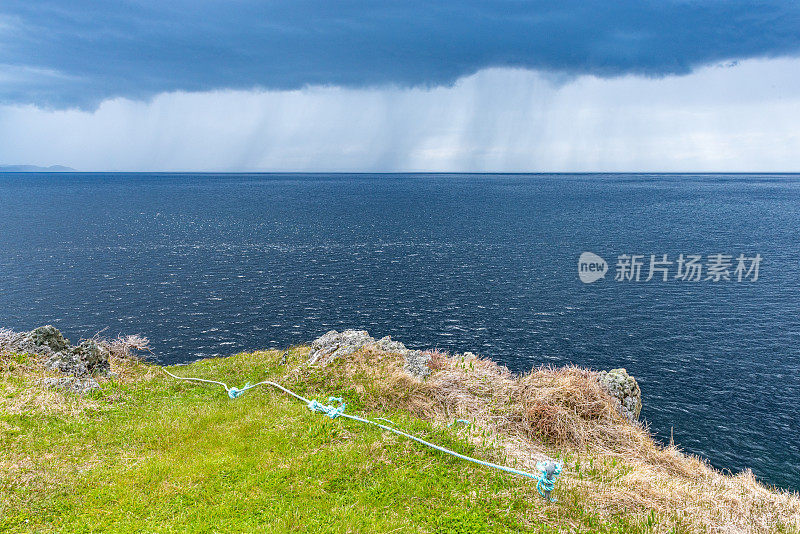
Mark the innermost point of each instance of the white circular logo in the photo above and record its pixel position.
(591, 267)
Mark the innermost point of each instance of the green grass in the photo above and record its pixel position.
(159, 455)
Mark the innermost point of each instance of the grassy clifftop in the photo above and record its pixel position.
(147, 453)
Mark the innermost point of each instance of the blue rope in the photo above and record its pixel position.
(236, 393)
(331, 411)
(544, 484)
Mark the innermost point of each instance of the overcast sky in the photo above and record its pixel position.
(408, 86)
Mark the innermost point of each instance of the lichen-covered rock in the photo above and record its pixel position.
(624, 388)
(72, 383)
(387, 344)
(417, 363)
(87, 358)
(11, 341)
(93, 355)
(47, 336)
(66, 362)
(54, 352)
(333, 344)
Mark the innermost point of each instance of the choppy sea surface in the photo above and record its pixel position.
(214, 264)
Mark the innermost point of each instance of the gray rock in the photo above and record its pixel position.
(72, 383)
(47, 336)
(93, 355)
(67, 362)
(44, 341)
(333, 344)
(10, 340)
(468, 356)
(55, 353)
(624, 388)
(387, 344)
(87, 358)
(417, 364)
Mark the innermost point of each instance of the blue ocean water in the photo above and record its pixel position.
(214, 264)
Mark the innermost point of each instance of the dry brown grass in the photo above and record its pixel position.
(127, 347)
(564, 412)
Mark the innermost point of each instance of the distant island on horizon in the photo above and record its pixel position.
(35, 168)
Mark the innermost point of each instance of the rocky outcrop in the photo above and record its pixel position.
(87, 358)
(93, 355)
(624, 389)
(333, 344)
(66, 362)
(43, 341)
(417, 363)
(77, 363)
(48, 337)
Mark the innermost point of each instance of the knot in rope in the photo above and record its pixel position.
(546, 478)
(548, 472)
(328, 409)
(236, 392)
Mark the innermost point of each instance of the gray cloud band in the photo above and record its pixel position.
(80, 54)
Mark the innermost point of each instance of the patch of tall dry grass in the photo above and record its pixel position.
(563, 412)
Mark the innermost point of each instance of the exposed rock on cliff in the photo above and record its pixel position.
(47, 336)
(333, 344)
(93, 355)
(56, 354)
(624, 388)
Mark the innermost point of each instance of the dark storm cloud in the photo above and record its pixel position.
(76, 53)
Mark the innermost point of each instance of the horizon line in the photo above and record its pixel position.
(74, 171)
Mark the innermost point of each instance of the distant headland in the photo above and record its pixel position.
(35, 168)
